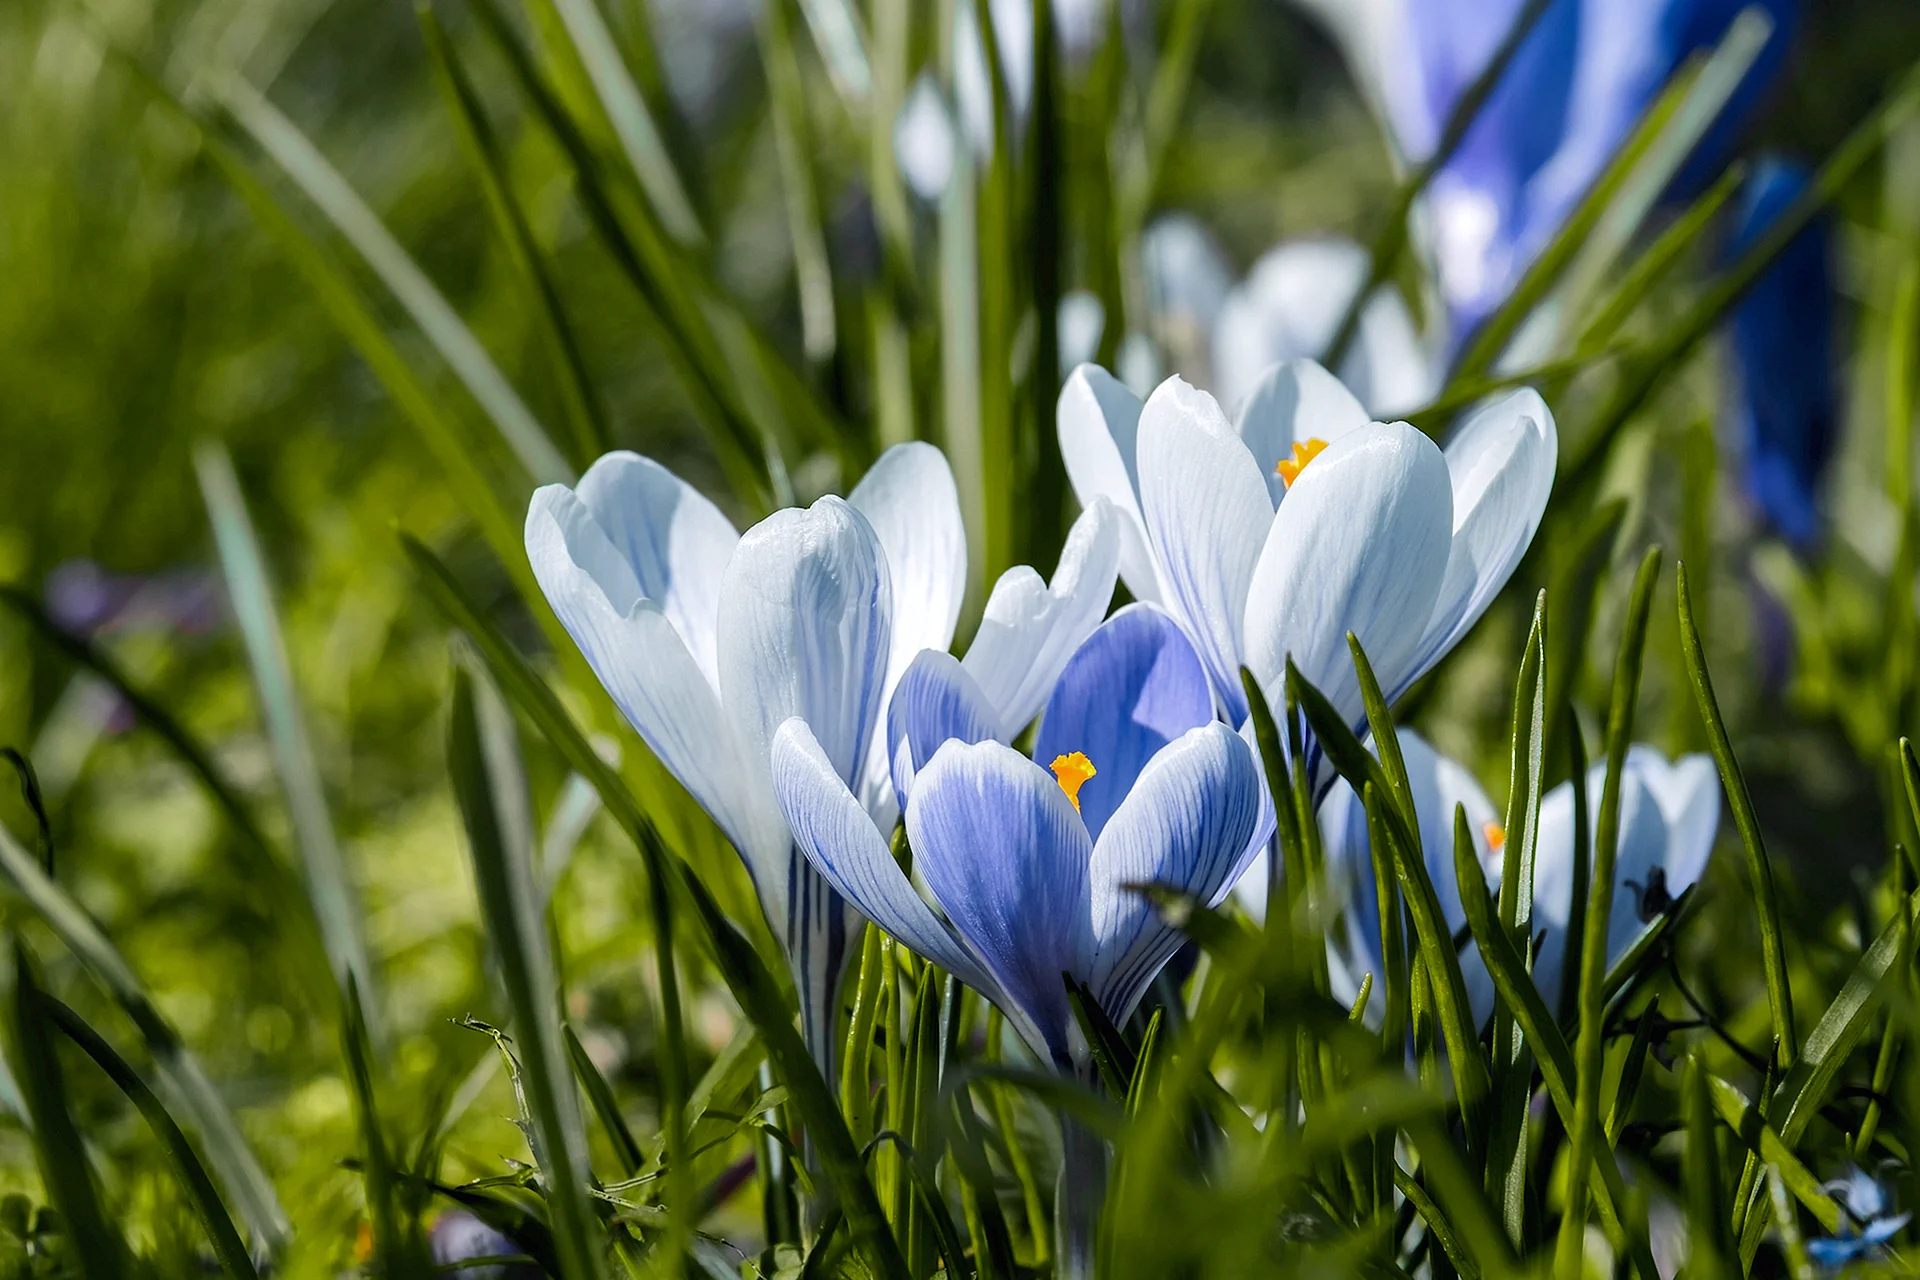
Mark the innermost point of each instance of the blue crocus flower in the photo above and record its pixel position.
(1586, 72)
(1783, 359)
(1865, 1202)
(1029, 864)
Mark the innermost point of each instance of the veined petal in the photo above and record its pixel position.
(1501, 463)
(1188, 823)
(935, 701)
(639, 656)
(832, 829)
(909, 498)
(1207, 511)
(1006, 856)
(1098, 422)
(1031, 628)
(674, 540)
(1295, 402)
(804, 625)
(1359, 546)
(1133, 687)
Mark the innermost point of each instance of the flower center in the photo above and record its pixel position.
(1496, 835)
(1289, 469)
(1073, 770)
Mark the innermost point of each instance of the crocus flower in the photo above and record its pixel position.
(1227, 336)
(1782, 340)
(709, 640)
(1868, 1226)
(1566, 102)
(1274, 536)
(1028, 863)
(458, 1237)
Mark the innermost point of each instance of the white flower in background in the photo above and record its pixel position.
(1276, 535)
(708, 640)
(1077, 27)
(923, 140)
(1669, 815)
(1082, 321)
(1288, 307)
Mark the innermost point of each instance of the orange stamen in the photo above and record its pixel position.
(1496, 835)
(1073, 770)
(1289, 469)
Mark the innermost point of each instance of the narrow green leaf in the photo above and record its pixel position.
(1430, 1213)
(1653, 265)
(1631, 1069)
(97, 1246)
(1591, 1047)
(183, 1082)
(1758, 1136)
(1578, 564)
(836, 30)
(1708, 1255)
(329, 888)
(1759, 870)
(484, 759)
(787, 104)
(540, 295)
(441, 324)
(228, 1249)
(605, 1107)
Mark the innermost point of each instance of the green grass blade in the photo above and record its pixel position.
(228, 1249)
(626, 1148)
(1654, 263)
(586, 419)
(1391, 241)
(1759, 870)
(321, 182)
(1430, 1213)
(836, 31)
(1591, 1047)
(1741, 1116)
(767, 1005)
(182, 1079)
(633, 124)
(787, 103)
(484, 759)
(97, 1246)
(1708, 1255)
(1517, 992)
(1575, 577)
(329, 888)
(1435, 939)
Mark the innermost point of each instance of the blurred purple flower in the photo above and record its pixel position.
(458, 1236)
(1865, 1201)
(1782, 338)
(87, 600)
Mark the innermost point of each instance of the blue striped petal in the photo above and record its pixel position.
(1189, 824)
(1006, 856)
(1132, 688)
(935, 700)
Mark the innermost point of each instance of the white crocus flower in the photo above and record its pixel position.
(709, 640)
(1275, 536)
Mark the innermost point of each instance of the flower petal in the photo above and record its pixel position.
(1688, 793)
(1098, 422)
(1188, 823)
(832, 829)
(1295, 402)
(641, 658)
(1359, 546)
(1132, 688)
(1006, 856)
(1501, 463)
(1031, 628)
(909, 498)
(674, 540)
(804, 622)
(936, 700)
(1207, 511)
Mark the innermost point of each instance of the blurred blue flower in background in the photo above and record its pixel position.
(1865, 1201)
(462, 1240)
(1782, 340)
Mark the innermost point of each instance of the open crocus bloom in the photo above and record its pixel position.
(709, 640)
(1029, 865)
(1669, 815)
(1439, 784)
(1279, 534)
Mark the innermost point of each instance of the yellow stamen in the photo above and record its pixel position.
(1288, 469)
(1073, 771)
(1496, 835)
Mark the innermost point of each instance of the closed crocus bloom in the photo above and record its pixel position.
(1669, 814)
(709, 641)
(1275, 535)
(1782, 340)
(1028, 861)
